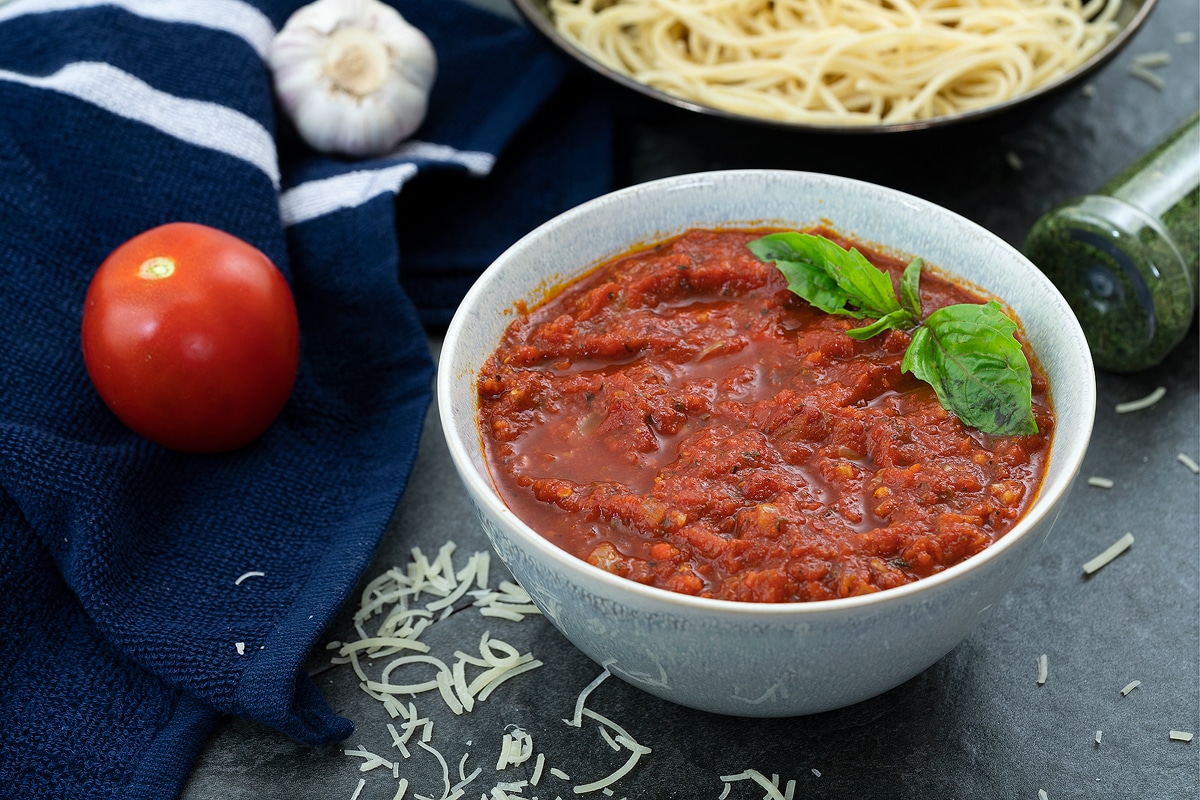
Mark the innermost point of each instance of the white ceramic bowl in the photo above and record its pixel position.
(748, 659)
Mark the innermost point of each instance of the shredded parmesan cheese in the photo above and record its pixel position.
(1142, 71)
(1181, 736)
(1043, 669)
(537, 769)
(1114, 550)
(1101, 483)
(1098, 735)
(1129, 687)
(1144, 402)
(442, 762)
(771, 788)
(636, 751)
(392, 664)
(515, 748)
(577, 720)
(465, 779)
(397, 742)
(251, 574)
(1158, 58)
(1189, 462)
(370, 760)
(358, 789)
(240, 647)
(604, 734)
(1042, 795)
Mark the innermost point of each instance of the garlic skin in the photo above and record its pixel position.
(353, 75)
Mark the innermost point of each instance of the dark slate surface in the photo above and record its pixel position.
(976, 724)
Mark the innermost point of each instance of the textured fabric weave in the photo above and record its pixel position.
(124, 633)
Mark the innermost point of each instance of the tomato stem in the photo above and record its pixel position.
(156, 268)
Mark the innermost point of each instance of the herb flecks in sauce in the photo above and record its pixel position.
(966, 352)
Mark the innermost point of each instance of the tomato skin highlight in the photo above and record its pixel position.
(191, 338)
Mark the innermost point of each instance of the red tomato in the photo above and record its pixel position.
(190, 336)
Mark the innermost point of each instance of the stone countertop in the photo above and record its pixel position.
(974, 725)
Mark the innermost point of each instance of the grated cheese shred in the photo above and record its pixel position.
(442, 763)
(1114, 550)
(537, 769)
(604, 734)
(770, 787)
(1146, 75)
(1158, 58)
(577, 720)
(1042, 669)
(636, 752)
(1144, 402)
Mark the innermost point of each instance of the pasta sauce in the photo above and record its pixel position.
(679, 418)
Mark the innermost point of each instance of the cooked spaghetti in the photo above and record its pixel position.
(841, 62)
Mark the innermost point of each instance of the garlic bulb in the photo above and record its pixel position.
(353, 75)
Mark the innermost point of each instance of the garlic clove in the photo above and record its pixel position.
(353, 75)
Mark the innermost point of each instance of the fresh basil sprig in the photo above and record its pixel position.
(966, 352)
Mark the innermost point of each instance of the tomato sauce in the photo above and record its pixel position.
(681, 419)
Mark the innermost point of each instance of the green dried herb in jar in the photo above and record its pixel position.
(1127, 258)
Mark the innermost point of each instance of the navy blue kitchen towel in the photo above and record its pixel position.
(143, 593)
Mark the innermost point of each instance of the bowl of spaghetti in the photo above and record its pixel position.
(858, 66)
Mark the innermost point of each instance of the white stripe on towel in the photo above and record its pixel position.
(317, 198)
(476, 162)
(233, 16)
(197, 122)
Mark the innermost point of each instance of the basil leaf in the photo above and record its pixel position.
(898, 319)
(835, 280)
(910, 288)
(968, 354)
(869, 286)
(784, 246)
(814, 285)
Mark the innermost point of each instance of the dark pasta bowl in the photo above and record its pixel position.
(643, 100)
(747, 658)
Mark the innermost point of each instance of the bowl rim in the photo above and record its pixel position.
(532, 12)
(482, 488)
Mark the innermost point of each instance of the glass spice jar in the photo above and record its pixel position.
(1127, 258)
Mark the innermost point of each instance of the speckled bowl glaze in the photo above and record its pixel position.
(749, 659)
